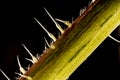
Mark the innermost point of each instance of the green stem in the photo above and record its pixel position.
(78, 42)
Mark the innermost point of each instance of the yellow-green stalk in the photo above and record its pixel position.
(78, 42)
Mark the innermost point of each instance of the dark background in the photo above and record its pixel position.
(18, 26)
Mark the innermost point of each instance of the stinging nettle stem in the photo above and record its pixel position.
(78, 42)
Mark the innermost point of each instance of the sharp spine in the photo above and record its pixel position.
(22, 70)
(34, 59)
(49, 34)
(57, 25)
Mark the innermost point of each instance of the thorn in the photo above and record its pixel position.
(114, 39)
(49, 34)
(65, 22)
(22, 70)
(34, 59)
(57, 25)
(4, 75)
(21, 75)
(50, 46)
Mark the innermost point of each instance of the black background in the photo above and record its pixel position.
(17, 25)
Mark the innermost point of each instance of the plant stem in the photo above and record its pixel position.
(78, 42)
